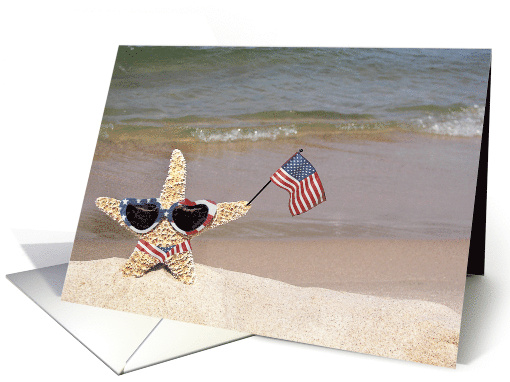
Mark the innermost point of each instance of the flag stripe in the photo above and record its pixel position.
(158, 253)
(315, 188)
(304, 191)
(298, 207)
(148, 249)
(295, 184)
(279, 180)
(275, 179)
(182, 247)
(281, 175)
(154, 249)
(318, 181)
(313, 192)
(301, 200)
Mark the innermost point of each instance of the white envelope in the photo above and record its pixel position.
(123, 341)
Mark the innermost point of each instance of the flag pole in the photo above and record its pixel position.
(267, 184)
(262, 189)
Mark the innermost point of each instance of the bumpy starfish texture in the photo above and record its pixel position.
(180, 265)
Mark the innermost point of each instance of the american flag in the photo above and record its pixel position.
(302, 182)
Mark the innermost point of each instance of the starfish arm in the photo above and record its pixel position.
(182, 267)
(175, 183)
(139, 263)
(226, 212)
(110, 206)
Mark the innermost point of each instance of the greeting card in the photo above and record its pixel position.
(193, 138)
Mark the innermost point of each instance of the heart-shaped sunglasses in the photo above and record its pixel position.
(186, 217)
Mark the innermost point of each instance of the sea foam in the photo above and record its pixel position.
(467, 122)
(213, 135)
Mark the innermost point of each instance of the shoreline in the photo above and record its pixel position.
(196, 140)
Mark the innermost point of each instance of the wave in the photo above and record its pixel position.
(454, 120)
(244, 134)
(464, 122)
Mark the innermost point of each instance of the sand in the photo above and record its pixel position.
(430, 270)
(414, 330)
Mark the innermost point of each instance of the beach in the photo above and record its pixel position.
(395, 298)
(401, 269)
(379, 267)
(412, 330)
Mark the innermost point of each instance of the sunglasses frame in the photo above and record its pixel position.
(167, 213)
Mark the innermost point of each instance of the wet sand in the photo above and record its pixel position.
(404, 329)
(390, 184)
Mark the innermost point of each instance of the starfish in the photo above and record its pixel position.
(165, 234)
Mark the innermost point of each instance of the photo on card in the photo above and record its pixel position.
(318, 195)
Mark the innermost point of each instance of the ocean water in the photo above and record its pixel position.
(226, 94)
(393, 133)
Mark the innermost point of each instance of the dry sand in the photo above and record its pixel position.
(414, 330)
(430, 270)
